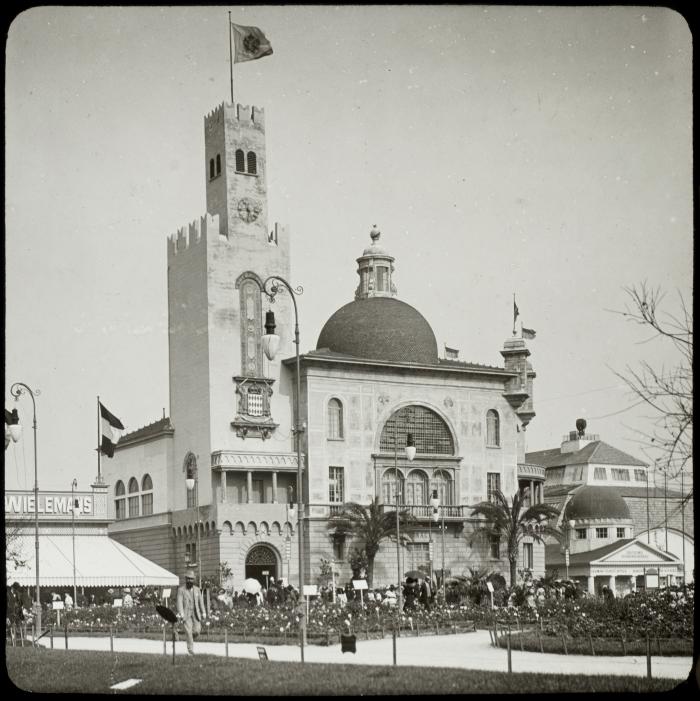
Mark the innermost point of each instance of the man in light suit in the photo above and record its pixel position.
(190, 609)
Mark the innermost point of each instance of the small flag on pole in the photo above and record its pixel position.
(249, 43)
(516, 313)
(112, 429)
(528, 333)
(451, 353)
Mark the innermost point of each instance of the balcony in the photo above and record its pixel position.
(420, 512)
(527, 471)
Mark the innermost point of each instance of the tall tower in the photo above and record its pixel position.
(224, 395)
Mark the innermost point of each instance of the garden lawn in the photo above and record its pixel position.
(60, 671)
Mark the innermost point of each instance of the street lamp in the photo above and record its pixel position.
(73, 487)
(435, 503)
(410, 455)
(17, 389)
(192, 482)
(271, 344)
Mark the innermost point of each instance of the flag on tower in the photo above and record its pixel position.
(527, 333)
(516, 313)
(112, 429)
(250, 43)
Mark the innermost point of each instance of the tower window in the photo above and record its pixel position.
(133, 500)
(218, 164)
(120, 501)
(493, 437)
(252, 163)
(336, 493)
(211, 169)
(146, 495)
(580, 534)
(335, 419)
(493, 485)
(240, 161)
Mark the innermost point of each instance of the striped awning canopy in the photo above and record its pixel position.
(99, 561)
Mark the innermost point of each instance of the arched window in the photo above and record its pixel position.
(146, 496)
(119, 501)
(335, 419)
(252, 163)
(389, 487)
(493, 428)
(133, 500)
(240, 161)
(218, 164)
(211, 168)
(417, 487)
(430, 433)
(442, 482)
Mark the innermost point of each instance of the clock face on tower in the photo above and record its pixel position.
(249, 209)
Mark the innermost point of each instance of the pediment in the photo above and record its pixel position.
(636, 552)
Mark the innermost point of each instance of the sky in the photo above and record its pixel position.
(542, 152)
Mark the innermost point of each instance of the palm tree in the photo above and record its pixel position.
(369, 525)
(511, 522)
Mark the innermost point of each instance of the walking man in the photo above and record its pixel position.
(190, 609)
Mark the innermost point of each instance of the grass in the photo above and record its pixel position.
(666, 647)
(60, 671)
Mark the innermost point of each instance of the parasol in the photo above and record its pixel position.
(415, 574)
(166, 613)
(251, 586)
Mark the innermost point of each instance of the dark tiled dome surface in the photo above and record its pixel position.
(597, 502)
(380, 328)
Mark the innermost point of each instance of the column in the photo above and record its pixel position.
(223, 485)
(274, 487)
(591, 585)
(249, 486)
(612, 584)
(533, 500)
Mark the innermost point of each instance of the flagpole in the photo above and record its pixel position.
(99, 463)
(230, 53)
(515, 316)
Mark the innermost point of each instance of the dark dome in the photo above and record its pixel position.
(597, 502)
(380, 328)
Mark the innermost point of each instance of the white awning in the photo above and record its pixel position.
(99, 561)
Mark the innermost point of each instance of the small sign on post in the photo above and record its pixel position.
(262, 653)
(117, 603)
(360, 585)
(489, 586)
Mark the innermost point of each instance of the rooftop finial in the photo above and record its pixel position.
(375, 233)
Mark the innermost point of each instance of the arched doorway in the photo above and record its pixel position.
(261, 564)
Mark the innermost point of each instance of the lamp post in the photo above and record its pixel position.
(17, 389)
(271, 342)
(665, 472)
(435, 503)
(571, 523)
(73, 487)
(683, 524)
(410, 454)
(290, 517)
(192, 482)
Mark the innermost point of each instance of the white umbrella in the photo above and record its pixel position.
(251, 586)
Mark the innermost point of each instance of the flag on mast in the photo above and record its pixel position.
(527, 333)
(516, 312)
(112, 429)
(249, 43)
